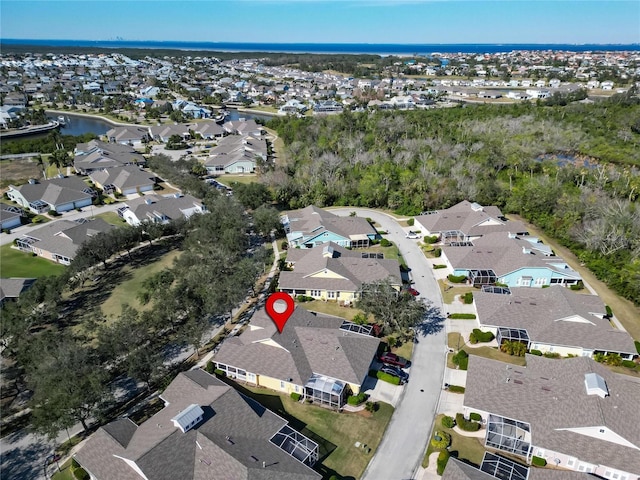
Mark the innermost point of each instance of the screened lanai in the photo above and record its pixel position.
(326, 390)
(296, 445)
(503, 468)
(508, 435)
(452, 236)
(482, 277)
(512, 335)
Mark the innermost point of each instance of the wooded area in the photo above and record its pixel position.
(572, 170)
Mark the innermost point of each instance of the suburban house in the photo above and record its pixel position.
(322, 358)
(496, 466)
(236, 154)
(508, 259)
(60, 194)
(209, 130)
(162, 133)
(574, 413)
(313, 226)
(205, 430)
(10, 217)
(555, 319)
(157, 209)
(124, 180)
(59, 241)
(464, 222)
(128, 135)
(11, 288)
(97, 155)
(243, 127)
(331, 272)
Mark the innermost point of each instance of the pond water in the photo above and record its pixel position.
(564, 159)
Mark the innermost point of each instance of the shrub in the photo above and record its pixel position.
(456, 389)
(219, 373)
(437, 252)
(448, 422)
(438, 266)
(372, 407)
(457, 278)
(385, 243)
(514, 348)
(304, 298)
(284, 245)
(440, 440)
(357, 399)
(431, 239)
(468, 297)
(535, 352)
(209, 368)
(461, 359)
(577, 286)
(472, 338)
(637, 345)
(481, 336)
(466, 425)
(296, 396)
(443, 458)
(538, 461)
(53, 213)
(74, 463)
(551, 354)
(462, 316)
(629, 363)
(411, 221)
(475, 416)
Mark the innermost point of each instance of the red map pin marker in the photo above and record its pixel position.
(280, 306)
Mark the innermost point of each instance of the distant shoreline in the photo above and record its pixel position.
(318, 48)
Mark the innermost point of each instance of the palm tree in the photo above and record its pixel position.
(59, 158)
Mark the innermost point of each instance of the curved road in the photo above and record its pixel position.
(402, 448)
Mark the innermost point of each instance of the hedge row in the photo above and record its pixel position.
(466, 425)
(443, 458)
(462, 316)
(448, 422)
(457, 278)
(538, 461)
(476, 417)
(385, 377)
(295, 396)
(456, 389)
(431, 239)
(438, 266)
(535, 352)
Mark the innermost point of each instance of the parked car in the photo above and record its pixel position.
(396, 372)
(412, 235)
(393, 359)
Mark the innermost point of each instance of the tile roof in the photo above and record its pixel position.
(551, 397)
(310, 343)
(554, 315)
(232, 440)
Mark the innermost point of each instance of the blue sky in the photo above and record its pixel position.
(320, 21)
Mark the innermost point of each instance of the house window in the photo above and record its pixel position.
(297, 388)
(331, 294)
(540, 282)
(281, 385)
(315, 293)
(570, 462)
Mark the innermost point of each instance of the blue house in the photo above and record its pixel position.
(313, 226)
(503, 257)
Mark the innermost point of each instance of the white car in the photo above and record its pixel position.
(412, 235)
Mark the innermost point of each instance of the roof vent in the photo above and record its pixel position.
(595, 385)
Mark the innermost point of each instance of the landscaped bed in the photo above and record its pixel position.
(468, 448)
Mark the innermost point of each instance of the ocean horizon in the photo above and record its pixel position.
(327, 48)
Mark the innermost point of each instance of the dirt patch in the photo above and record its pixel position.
(18, 171)
(624, 310)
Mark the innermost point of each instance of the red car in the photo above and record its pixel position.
(393, 359)
(413, 291)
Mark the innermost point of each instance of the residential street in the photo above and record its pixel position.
(400, 453)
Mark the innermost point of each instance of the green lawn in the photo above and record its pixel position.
(469, 448)
(112, 218)
(64, 473)
(390, 253)
(330, 308)
(336, 433)
(14, 263)
(449, 295)
(226, 179)
(126, 292)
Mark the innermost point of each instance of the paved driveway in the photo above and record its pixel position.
(400, 453)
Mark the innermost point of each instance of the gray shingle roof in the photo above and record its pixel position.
(311, 221)
(123, 177)
(55, 191)
(173, 206)
(232, 440)
(96, 155)
(551, 397)
(310, 343)
(13, 287)
(549, 316)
